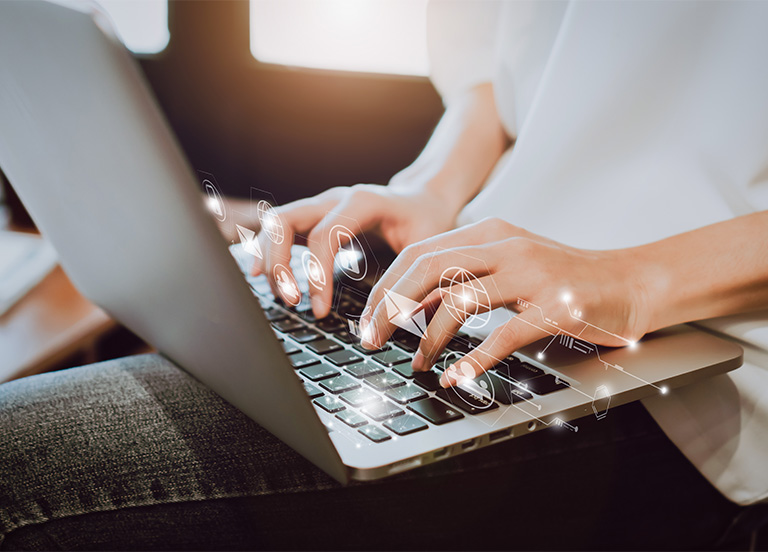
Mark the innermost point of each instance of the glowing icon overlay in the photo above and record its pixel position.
(270, 222)
(287, 285)
(249, 241)
(313, 269)
(465, 297)
(214, 202)
(405, 313)
(350, 258)
(462, 370)
(602, 402)
(364, 332)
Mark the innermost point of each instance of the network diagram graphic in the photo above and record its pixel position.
(286, 283)
(465, 297)
(463, 294)
(351, 258)
(575, 342)
(405, 313)
(214, 201)
(270, 222)
(249, 240)
(313, 269)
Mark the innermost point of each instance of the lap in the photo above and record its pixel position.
(136, 452)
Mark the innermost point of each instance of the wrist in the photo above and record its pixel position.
(436, 190)
(650, 284)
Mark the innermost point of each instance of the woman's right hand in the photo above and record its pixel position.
(400, 216)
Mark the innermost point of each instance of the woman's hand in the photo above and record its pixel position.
(399, 215)
(554, 288)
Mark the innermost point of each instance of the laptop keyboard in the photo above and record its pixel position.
(377, 392)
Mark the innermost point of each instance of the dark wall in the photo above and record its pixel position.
(293, 132)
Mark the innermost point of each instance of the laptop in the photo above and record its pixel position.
(91, 156)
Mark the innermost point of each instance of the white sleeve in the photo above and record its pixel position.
(461, 40)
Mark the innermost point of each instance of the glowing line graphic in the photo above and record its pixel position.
(559, 332)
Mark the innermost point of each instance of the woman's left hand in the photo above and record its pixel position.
(553, 288)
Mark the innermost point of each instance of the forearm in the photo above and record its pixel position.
(717, 270)
(463, 150)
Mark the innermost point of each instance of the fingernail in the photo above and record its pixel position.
(444, 383)
(367, 339)
(418, 361)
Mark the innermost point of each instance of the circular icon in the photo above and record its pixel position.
(270, 222)
(313, 269)
(214, 202)
(286, 283)
(350, 258)
(463, 370)
(465, 297)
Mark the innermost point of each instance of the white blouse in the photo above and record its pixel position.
(633, 121)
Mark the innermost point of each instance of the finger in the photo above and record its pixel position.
(424, 276)
(518, 332)
(460, 302)
(461, 237)
(278, 231)
(440, 330)
(350, 217)
(484, 232)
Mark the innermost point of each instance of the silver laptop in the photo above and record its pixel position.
(86, 147)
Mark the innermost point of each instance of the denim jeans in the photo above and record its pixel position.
(136, 454)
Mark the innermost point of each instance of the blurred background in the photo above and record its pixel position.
(291, 96)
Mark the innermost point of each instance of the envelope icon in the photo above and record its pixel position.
(249, 241)
(405, 313)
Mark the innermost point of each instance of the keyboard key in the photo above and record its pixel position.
(384, 381)
(358, 397)
(290, 348)
(375, 434)
(459, 345)
(324, 346)
(305, 311)
(302, 360)
(435, 411)
(546, 384)
(312, 391)
(330, 404)
(340, 384)
(363, 369)
(381, 410)
(319, 372)
(346, 337)
(516, 370)
(405, 370)
(469, 402)
(390, 357)
(343, 357)
(503, 390)
(288, 325)
(441, 358)
(351, 308)
(406, 393)
(363, 351)
(273, 314)
(406, 340)
(352, 419)
(330, 324)
(427, 380)
(405, 425)
(305, 336)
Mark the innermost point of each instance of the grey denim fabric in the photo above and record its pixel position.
(136, 454)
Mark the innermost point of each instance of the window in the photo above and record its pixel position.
(141, 24)
(376, 36)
